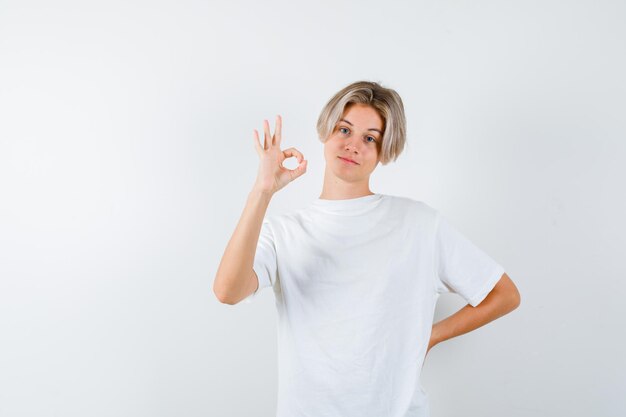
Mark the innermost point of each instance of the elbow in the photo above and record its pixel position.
(220, 294)
(221, 298)
(515, 299)
(224, 299)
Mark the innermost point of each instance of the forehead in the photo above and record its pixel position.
(363, 115)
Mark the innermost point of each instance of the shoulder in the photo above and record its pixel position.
(284, 220)
(411, 206)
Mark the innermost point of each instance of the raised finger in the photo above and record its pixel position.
(268, 137)
(257, 142)
(278, 130)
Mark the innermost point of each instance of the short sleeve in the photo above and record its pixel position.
(460, 266)
(264, 265)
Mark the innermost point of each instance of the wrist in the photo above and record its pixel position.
(259, 192)
(435, 335)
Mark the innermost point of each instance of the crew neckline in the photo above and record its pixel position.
(353, 205)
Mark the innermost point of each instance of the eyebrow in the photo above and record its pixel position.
(344, 120)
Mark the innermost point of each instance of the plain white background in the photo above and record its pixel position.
(126, 157)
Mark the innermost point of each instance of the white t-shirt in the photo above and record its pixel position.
(356, 282)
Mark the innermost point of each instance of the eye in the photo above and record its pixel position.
(345, 131)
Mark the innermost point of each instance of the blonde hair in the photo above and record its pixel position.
(385, 101)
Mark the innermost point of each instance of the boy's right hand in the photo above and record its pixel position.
(272, 176)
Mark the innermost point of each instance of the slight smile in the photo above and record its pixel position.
(348, 161)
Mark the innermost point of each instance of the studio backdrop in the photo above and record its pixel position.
(127, 154)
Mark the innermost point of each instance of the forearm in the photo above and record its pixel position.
(236, 264)
(497, 303)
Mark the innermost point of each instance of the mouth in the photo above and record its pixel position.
(349, 161)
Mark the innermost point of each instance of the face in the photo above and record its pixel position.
(357, 136)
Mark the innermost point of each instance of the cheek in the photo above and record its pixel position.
(332, 144)
(373, 157)
(329, 148)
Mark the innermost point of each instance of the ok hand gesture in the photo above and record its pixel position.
(272, 176)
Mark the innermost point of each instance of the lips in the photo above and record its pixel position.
(349, 160)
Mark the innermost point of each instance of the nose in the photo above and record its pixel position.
(351, 144)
